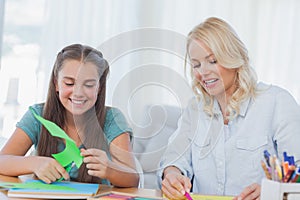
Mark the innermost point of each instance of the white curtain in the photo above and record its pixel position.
(144, 42)
(139, 37)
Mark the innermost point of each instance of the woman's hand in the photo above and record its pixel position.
(97, 162)
(174, 184)
(48, 169)
(252, 192)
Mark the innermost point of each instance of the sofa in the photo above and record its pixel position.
(150, 141)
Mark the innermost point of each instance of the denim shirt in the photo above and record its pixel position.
(224, 159)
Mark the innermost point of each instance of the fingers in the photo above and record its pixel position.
(96, 161)
(48, 176)
(57, 171)
(171, 192)
(94, 156)
(174, 186)
(49, 170)
(61, 172)
(90, 152)
(252, 192)
(187, 184)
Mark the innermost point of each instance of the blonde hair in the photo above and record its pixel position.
(231, 53)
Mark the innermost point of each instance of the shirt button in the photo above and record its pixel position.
(220, 190)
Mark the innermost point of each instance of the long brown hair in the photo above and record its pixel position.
(94, 118)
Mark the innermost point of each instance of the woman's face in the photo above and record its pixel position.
(213, 77)
(78, 86)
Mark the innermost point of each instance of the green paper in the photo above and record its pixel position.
(34, 185)
(71, 153)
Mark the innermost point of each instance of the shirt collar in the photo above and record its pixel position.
(243, 108)
(216, 108)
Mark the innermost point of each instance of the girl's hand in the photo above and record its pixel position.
(48, 169)
(252, 192)
(97, 162)
(174, 185)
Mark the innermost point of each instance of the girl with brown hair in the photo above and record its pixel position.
(76, 103)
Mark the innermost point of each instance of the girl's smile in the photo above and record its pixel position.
(78, 86)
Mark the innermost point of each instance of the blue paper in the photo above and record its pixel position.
(72, 188)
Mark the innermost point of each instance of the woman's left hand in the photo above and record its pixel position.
(252, 192)
(97, 162)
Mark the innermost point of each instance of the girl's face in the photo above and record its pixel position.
(213, 77)
(78, 86)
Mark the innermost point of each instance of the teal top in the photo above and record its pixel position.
(115, 124)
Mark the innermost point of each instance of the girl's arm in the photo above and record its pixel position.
(14, 162)
(120, 171)
(123, 162)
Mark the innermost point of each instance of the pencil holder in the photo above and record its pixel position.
(273, 190)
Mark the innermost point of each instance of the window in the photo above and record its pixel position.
(22, 30)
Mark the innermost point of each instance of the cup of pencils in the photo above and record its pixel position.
(284, 171)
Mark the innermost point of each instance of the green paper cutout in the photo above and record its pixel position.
(34, 185)
(71, 153)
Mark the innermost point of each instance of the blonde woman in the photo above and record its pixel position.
(224, 130)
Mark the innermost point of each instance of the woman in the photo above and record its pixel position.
(224, 130)
(76, 103)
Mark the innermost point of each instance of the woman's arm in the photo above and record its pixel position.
(120, 171)
(14, 162)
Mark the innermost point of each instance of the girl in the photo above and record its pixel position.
(76, 103)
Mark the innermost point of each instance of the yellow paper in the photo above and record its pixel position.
(207, 197)
(210, 197)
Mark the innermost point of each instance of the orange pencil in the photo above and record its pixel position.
(285, 166)
(288, 175)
